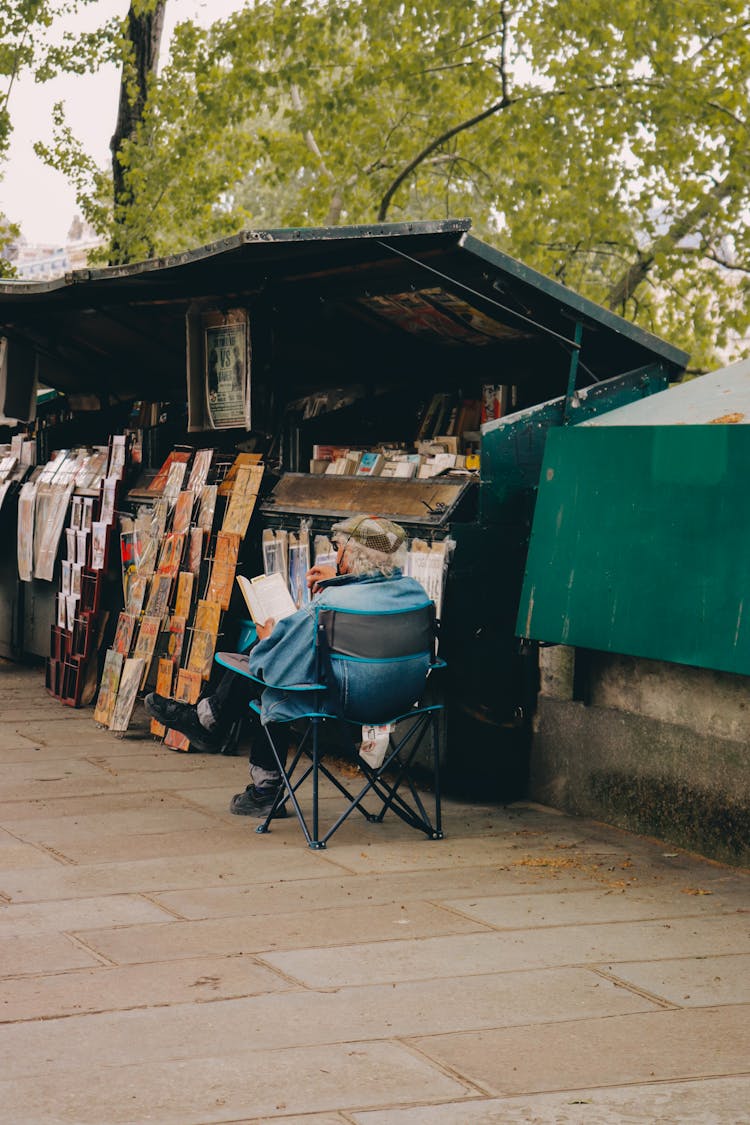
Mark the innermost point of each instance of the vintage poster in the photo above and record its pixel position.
(242, 502)
(76, 513)
(99, 539)
(65, 566)
(109, 499)
(116, 465)
(171, 555)
(145, 644)
(160, 480)
(132, 674)
(176, 639)
(70, 544)
(62, 611)
(173, 486)
(184, 597)
(124, 633)
(227, 369)
(71, 609)
(75, 579)
(164, 680)
(195, 551)
(26, 504)
(82, 547)
(158, 598)
(183, 512)
(188, 690)
(87, 515)
(136, 593)
(223, 568)
(207, 508)
(105, 703)
(240, 461)
(199, 472)
(203, 645)
(51, 507)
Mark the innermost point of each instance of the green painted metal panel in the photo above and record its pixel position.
(641, 544)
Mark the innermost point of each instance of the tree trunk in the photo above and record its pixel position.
(143, 29)
(625, 287)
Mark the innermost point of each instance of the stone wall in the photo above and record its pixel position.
(657, 748)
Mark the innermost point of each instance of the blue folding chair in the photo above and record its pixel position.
(340, 694)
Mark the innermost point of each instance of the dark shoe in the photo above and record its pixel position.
(183, 718)
(256, 802)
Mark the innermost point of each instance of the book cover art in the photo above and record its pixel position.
(183, 512)
(203, 645)
(159, 482)
(199, 471)
(158, 598)
(171, 554)
(164, 680)
(223, 568)
(124, 633)
(188, 690)
(132, 673)
(110, 682)
(207, 508)
(176, 638)
(145, 645)
(242, 460)
(184, 598)
(99, 541)
(195, 551)
(137, 585)
(242, 502)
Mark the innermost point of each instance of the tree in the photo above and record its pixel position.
(606, 145)
(25, 45)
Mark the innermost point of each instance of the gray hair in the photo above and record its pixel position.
(366, 561)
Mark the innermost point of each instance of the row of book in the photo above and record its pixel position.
(433, 458)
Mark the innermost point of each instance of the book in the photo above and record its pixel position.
(160, 480)
(243, 498)
(370, 465)
(242, 459)
(183, 511)
(145, 644)
(223, 568)
(132, 672)
(176, 638)
(185, 582)
(267, 597)
(164, 680)
(203, 644)
(188, 690)
(105, 702)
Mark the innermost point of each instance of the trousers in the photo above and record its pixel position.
(229, 701)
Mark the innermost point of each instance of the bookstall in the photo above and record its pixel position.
(405, 369)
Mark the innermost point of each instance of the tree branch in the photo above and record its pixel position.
(625, 287)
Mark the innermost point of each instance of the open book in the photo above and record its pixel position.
(267, 597)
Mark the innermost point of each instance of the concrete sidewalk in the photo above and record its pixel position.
(164, 963)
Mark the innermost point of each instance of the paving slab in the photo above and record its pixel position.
(559, 908)
(38, 953)
(712, 1101)
(249, 934)
(642, 1047)
(114, 988)
(18, 919)
(292, 1017)
(340, 890)
(478, 953)
(229, 1088)
(691, 982)
(213, 869)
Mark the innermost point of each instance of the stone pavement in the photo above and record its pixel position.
(162, 962)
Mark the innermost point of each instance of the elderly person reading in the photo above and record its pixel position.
(368, 576)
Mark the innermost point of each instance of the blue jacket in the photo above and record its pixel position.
(288, 655)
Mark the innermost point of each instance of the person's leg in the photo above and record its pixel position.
(208, 722)
(265, 777)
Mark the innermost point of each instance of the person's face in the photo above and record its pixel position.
(341, 561)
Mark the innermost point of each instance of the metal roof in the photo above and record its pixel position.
(425, 286)
(722, 396)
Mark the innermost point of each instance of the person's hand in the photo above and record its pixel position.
(265, 629)
(318, 574)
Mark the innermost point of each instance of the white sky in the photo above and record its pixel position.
(32, 194)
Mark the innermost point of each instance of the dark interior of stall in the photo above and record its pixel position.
(337, 361)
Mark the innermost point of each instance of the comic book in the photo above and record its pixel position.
(223, 568)
(105, 702)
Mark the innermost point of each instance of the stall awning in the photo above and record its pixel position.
(427, 286)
